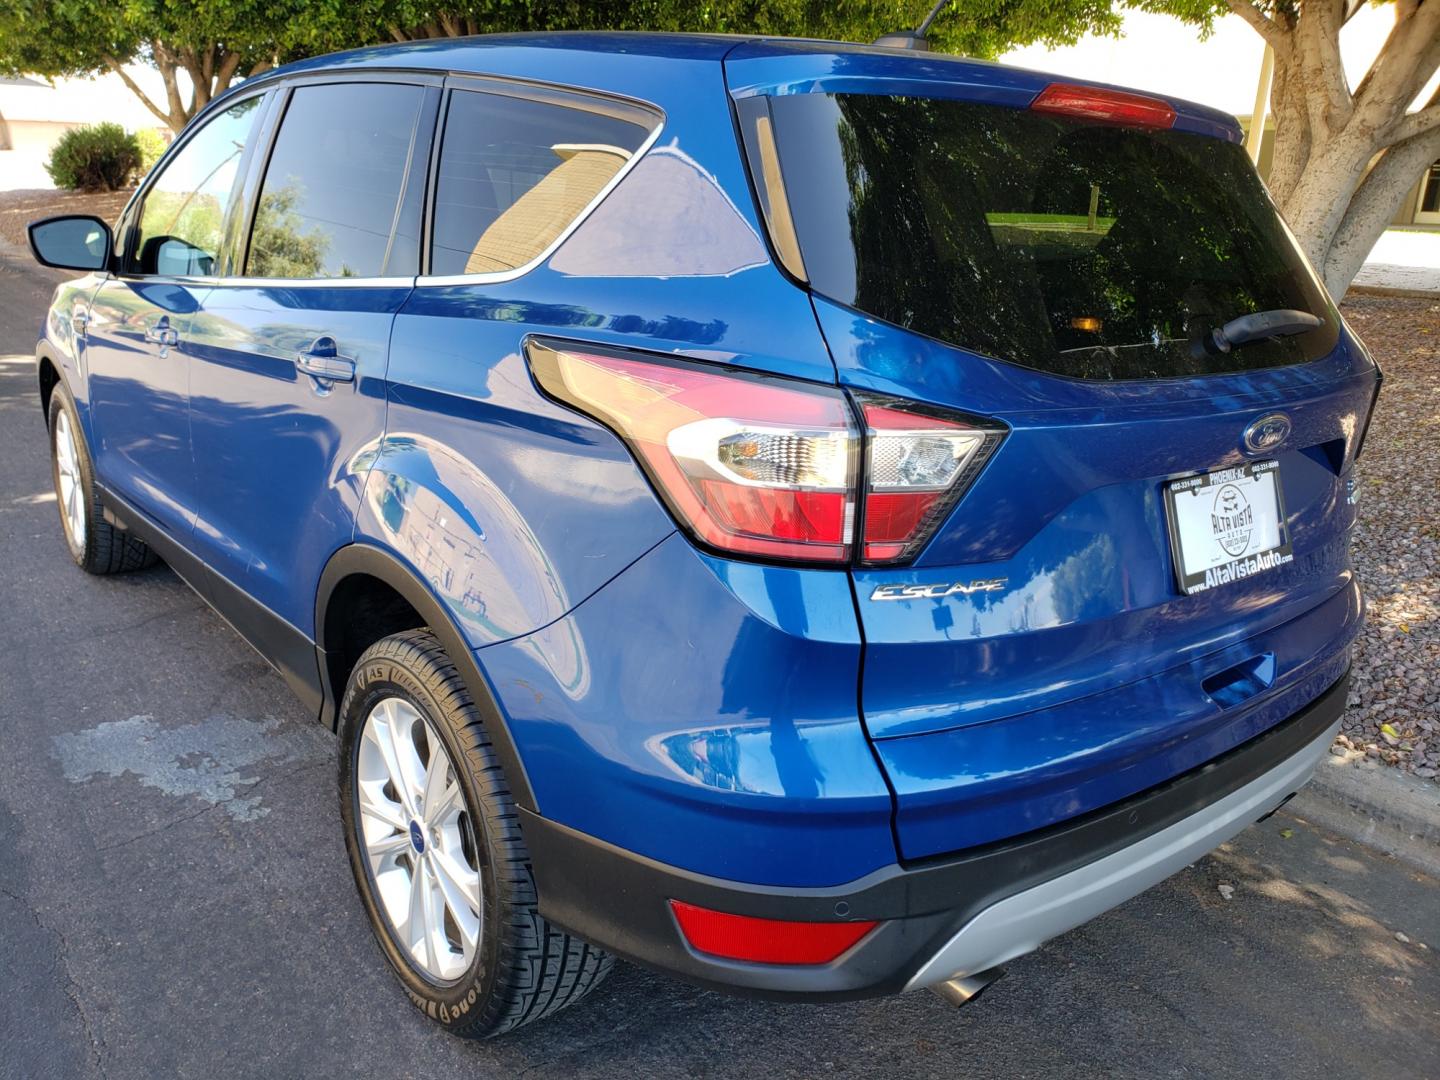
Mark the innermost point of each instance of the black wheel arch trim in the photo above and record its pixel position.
(46, 353)
(371, 561)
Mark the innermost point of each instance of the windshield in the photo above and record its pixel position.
(1073, 247)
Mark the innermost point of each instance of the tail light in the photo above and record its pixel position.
(917, 464)
(1106, 106)
(1370, 412)
(754, 465)
(766, 941)
(769, 467)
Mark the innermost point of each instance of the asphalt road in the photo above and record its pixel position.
(175, 901)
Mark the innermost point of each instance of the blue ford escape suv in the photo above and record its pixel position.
(815, 520)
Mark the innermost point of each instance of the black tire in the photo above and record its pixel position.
(104, 548)
(524, 968)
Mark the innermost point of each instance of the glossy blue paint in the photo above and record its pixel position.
(61, 340)
(139, 393)
(281, 455)
(754, 768)
(975, 784)
(759, 723)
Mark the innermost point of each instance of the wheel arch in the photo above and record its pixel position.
(47, 372)
(347, 575)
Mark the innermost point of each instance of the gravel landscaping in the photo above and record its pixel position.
(1394, 713)
(19, 208)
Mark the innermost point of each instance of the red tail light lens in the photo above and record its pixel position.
(917, 464)
(766, 941)
(750, 464)
(1106, 106)
(768, 467)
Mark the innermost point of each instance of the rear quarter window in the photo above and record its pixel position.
(516, 173)
(1083, 249)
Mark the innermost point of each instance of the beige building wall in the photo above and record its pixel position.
(24, 148)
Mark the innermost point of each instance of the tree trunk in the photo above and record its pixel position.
(1344, 159)
(211, 72)
(1316, 206)
(1373, 207)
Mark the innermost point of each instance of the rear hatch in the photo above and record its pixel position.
(1153, 565)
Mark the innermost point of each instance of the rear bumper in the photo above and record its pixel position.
(943, 917)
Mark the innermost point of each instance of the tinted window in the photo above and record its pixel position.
(333, 187)
(514, 174)
(184, 210)
(1088, 250)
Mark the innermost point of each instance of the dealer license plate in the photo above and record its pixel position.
(1227, 525)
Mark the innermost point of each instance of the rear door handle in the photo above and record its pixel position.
(323, 361)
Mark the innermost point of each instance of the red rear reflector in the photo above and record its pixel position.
(766, 941)
(1107, 106)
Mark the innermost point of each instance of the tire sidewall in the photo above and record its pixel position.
(60, 402)
(376, 678)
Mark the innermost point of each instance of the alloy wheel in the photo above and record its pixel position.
(70, 491)
(419, 840)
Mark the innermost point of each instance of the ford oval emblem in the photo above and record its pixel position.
(1267, 433)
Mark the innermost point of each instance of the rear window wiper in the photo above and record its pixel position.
(1261, 326)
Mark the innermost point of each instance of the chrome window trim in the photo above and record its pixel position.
(441, 280)
(274, 283)
(578, 98)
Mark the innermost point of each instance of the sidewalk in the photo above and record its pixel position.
(1374, 805)
(1404, 262)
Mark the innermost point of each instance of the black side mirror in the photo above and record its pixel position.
(72, 242)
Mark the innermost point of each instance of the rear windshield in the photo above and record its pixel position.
(1088, 250)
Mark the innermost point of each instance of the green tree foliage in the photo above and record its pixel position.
(281, 245)
(99, 158)
(213, 42)
(152, 144)
(982, 28)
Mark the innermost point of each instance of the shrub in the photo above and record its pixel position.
(152, 144)
(102, 157)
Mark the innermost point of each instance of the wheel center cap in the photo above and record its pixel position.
(417, 838)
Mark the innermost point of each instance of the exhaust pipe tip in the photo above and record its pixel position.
(963, 989)
(1276, 808)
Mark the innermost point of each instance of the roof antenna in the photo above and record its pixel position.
(914, 40)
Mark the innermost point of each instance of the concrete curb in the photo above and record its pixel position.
(1361, 289)
(1377, 806)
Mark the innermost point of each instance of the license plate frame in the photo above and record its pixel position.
(1242, 540)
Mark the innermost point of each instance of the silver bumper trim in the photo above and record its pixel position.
(1022, 923)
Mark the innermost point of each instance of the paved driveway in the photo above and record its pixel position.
(175, 901)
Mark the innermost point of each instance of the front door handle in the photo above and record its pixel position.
(161, 333)
(323, 361)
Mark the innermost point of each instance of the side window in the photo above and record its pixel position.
(333, 189)
(515, 173)
(181, 221)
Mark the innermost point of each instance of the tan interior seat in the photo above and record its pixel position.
(534, 220)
